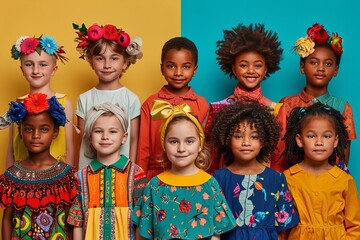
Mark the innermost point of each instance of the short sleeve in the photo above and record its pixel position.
(80, 108)
(134, 107)
(140, 182)
(286, 215)
(349, 122)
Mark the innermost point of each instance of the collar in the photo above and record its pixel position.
(164, 93)
(334, 171)
(197, 179)
(255, 94)
(307, 97)
(119, 165)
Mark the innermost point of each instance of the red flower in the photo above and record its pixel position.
(95, 32)
(184, 206)
(336, 43)
(36, 103)
(318, 34)
(123, 39)
(29, 45)
(110, 32)
(161, 215)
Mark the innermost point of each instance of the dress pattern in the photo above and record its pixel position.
(261, 204)
(39, 200)
(182, 207)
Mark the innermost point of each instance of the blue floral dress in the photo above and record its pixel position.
(182, 207)
(261, 204)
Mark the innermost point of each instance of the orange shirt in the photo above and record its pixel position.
(149, 156)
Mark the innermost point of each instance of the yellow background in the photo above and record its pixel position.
(155, 21)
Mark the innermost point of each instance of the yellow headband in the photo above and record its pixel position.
(164, 110)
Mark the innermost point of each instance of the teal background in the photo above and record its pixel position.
(203, 22)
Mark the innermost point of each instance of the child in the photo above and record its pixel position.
(246, 133)
(110, 51)
(178, 65)
(38, 58)
(37, 192)
(111, 183)
(250, 54)
(325, 196)
(320, 57)
(184, 201)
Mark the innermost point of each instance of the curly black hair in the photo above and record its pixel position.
(298, 119)
(258, 116)
(179, 43)
(252, 38)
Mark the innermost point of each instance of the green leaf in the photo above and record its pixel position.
(75, 26)
(38, 49)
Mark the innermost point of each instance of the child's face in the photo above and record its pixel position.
(178, 68)
(319, 68)
(182, 146)
(37, 132)
(108, 66)
(249, 69)
(318, 138)
(245, 143)
(107, 136)
(38, 69)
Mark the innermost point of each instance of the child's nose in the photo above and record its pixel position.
(178, 71)
(181, 147)
(36, 134)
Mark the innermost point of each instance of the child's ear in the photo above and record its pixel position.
(124, 138)
(54, 70)
(336, 71)
(56, 132)
(302, 68)
(161, 68)
(299, 140)
(196, 67)
(336, 141)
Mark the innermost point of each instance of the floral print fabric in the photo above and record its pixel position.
(166, 211)
(261, 204)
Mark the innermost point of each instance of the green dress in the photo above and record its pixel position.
(182, 207)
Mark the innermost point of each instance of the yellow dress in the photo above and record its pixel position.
(328, 204)
(58, 145)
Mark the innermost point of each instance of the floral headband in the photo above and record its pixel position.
(34, 104)
(317, 35)
(26, 45)
(162, 110)
(109, 32)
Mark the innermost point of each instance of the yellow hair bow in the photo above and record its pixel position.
(164, 110)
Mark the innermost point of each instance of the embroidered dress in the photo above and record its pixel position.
(104, 207)
(182, 207)
(39, 200)
(278, 161)
(149, 155)
(261, 204)
(58, 145)
(328, 204)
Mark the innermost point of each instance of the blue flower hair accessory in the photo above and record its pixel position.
(34, 104)
(26, 45)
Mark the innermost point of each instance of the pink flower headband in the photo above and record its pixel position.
(317, 35)
(26, 45)
(109, 32)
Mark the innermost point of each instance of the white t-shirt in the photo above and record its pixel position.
(122, 96)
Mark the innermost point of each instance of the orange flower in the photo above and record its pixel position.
(194, 224)
(198, 188)
(138, 213)
(202, 221)
(36, 103)
(206, 196)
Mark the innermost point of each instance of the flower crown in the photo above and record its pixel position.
(94, 33)
(317, 35)
(34, 104)
(26, 45)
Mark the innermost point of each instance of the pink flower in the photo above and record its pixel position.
(95, 32)
(123, 39)
(287, 195)
(110, 32)
(29, 45)
(281, 216)
(184, 206)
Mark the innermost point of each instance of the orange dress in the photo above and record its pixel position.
(149, 156)
(327, 203)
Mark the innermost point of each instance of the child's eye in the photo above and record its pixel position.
(98, 58)
(310, 136)
(28, 64)
(98, 131)
(328, 136)
(313, 62)
(43, 65)
(258, 66)
(115, 58)
(113, 131)
(187, 67)
(328, 64)
(190, 141)
(28, 129)
(243, 65)
(172, 142)
(237, 136)
(255, 137)
(44, 130)
(170, 66)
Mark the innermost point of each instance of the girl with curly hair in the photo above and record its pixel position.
(246, 133)
(320, 55)
(183, 202)
(249, 54)
(325, 196)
